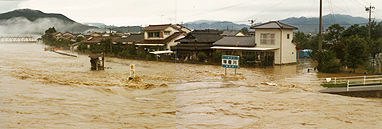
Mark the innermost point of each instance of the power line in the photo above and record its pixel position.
(223, 8)
(347, 6)
(358, 3)
(266, 9)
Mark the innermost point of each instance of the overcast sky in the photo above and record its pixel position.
(145, 12)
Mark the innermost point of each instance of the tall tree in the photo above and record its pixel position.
(334, 34)
(375, 47)
(301, 39)
(376, 30)
(361, 31)
(355, 51)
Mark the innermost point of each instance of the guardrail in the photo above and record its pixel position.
(342, 81)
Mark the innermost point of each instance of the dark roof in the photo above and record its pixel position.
(192, 47)
(130, 38)
(97, 39)
(230, 33)
(201, 36)
(168, 39)
(274, 25)
(245, 41)
(159, 27)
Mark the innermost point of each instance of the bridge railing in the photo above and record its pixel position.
(17, 39)
(342, 81)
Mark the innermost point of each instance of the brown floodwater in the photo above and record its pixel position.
(42, 89)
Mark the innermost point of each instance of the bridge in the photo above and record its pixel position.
(17, 39)
(356, 86)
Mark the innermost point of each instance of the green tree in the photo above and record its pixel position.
(326, 61)
(82, 47)
(48, 37)
(217, 56)
(376, 30)
(244, 30)
(355, 52)
(361, 31)
(334, 34)
(106, 45)
(79, 39)
(313, 43)
(50, 31)
(201, 56)
(301, 39)
(338, 49)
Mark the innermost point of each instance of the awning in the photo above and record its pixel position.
(244, 48)
(138, 44)
(161, 52)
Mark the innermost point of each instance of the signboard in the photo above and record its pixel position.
(230, 61)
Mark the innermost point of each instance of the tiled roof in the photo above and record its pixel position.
(230, 33)
(201, 37)
(159, 27)
(274, 25)
(245, 41)
(97, 39)
(130, 38)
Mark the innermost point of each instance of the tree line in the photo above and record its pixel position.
(350, 47)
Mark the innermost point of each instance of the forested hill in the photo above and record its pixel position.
(310, 25)
(28, 21)
(33, 15)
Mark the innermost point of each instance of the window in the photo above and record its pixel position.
(167, 33)
(153, 34)
(287, 36)
(267, 39)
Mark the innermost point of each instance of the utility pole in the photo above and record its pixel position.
(252, 21)
(320, 29)
(370, 8)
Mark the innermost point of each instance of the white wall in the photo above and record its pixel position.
(171, 29)
(286, 52)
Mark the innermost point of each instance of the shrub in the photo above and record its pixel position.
(201, 56)
(326, 61)
(217, 56)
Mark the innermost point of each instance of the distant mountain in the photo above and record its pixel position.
(100, 25)
(33, 15)
(310, 25)
(124, 29)
(307, 25)
(28, 21)
(219, 25)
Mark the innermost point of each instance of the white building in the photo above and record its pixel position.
(161, 37)
(271, 39)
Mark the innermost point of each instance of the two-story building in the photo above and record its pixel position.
(161, 37)
(271, 39)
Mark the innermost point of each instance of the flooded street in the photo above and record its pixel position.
(42, 89)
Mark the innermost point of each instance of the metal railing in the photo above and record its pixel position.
(349, 81)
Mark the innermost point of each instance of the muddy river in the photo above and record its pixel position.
(42, 89)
